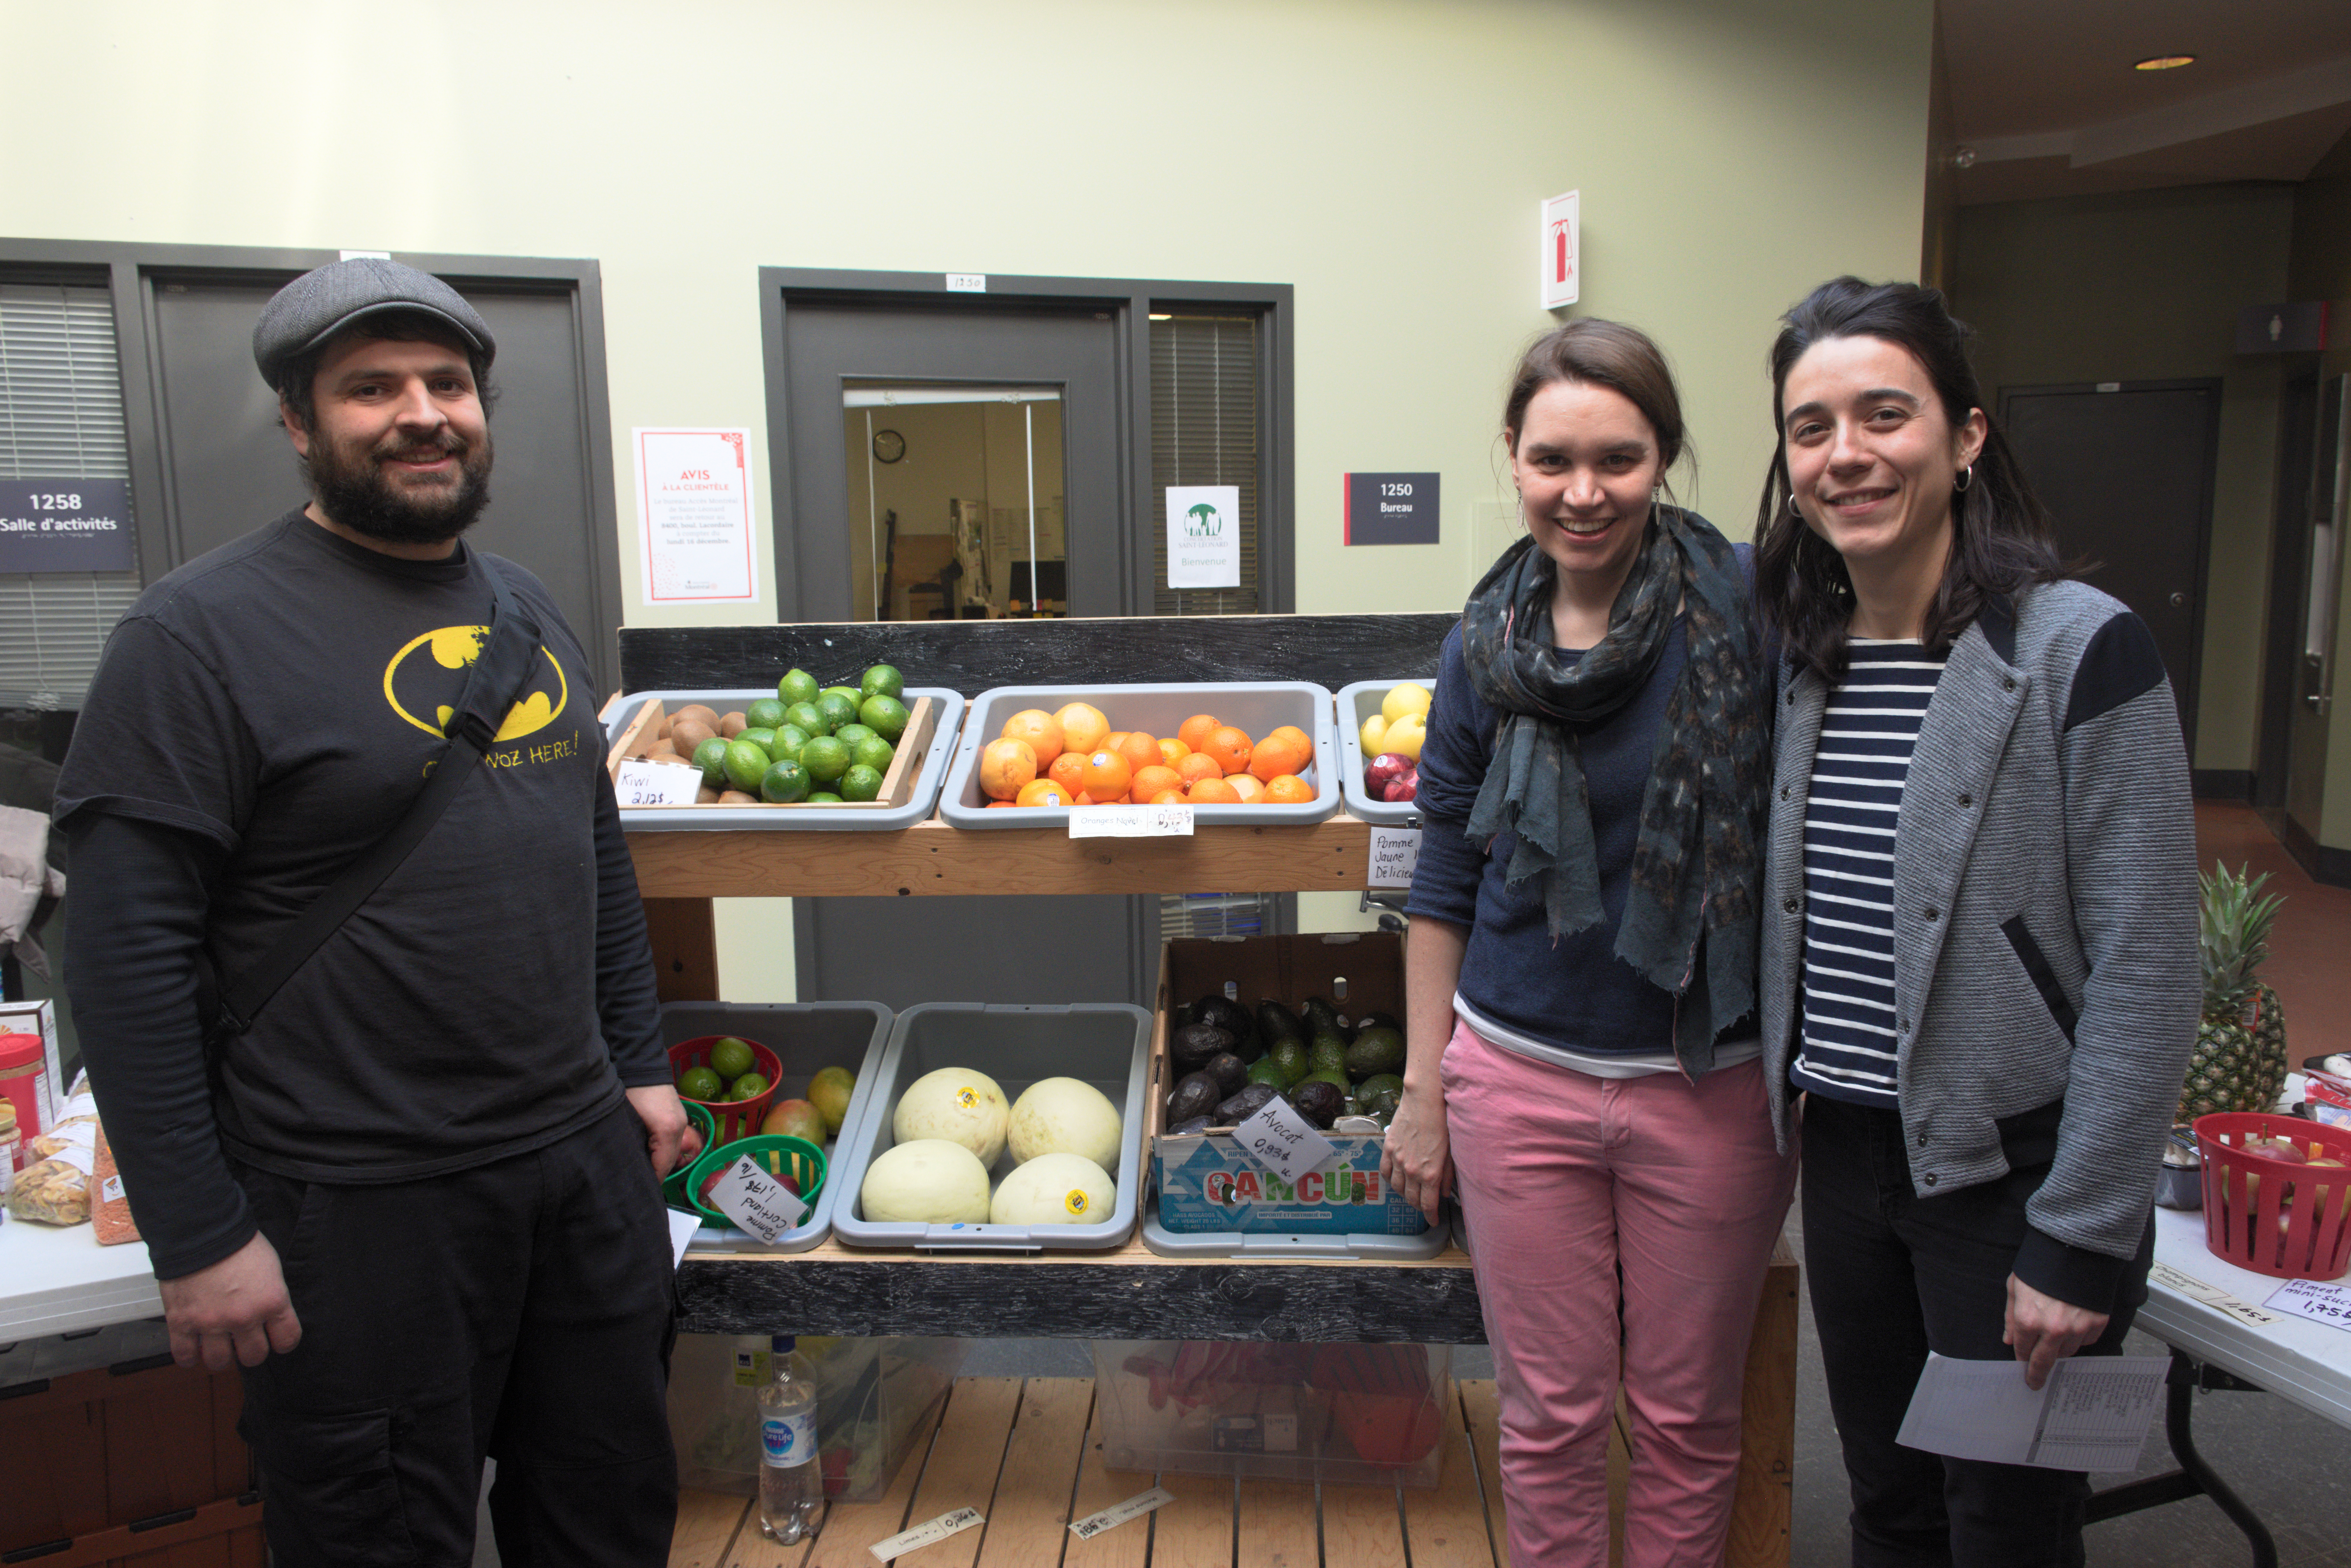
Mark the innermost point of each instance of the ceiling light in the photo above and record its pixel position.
(2163, 62)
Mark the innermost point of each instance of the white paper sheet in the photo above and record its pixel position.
(2092, 1414)
(694, 515)
(682, 1227)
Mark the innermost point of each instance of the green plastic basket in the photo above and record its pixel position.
(674, 1185)
(777, 1152)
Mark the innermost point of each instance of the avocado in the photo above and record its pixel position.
(1319, 1015)
(1243, 1105)
(1336, 1079)
(1327, 1053)
(1277, 1023)
(1267, 1070)
(1377, 1020)
(1228, 1070)
(1190, 1047)
(1290, 1057)
(1228, 1015)
(1379, 1095)
(1318, 1100)
(1194, 1094)
(1375, 1050)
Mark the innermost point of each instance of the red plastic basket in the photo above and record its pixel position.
(2276, 1217)
(735, 1118)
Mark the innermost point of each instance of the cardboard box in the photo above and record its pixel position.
(1205, 1182)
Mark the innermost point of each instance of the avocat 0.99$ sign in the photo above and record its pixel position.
(66, 525)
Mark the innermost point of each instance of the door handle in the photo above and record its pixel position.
(2179, 601)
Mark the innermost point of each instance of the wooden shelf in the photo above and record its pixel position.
(932, 857)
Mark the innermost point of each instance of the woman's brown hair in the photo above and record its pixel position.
(1599, 353)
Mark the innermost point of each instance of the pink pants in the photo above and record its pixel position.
(1565, 1179)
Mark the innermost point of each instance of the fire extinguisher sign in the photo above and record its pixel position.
(1562, 269)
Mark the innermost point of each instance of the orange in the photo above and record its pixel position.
(1197, 728)
(1167, 798)
(1247, 788)
(1289, 789)
(1114, 741)
(1107, 776)
(1149, 781)
(1196, 766)
(1082, 725)
(1213, 793)
(1082, 798)
(1035, 727)
(1002, 805)
(1228, 747)
(1283, 751)
(1069, 770)
(1041, 793)
(1172, 751)
(1004, 767)
(1140, 750)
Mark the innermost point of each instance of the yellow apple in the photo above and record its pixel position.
(1408, 698)
(1375, 727)
(1405, 735)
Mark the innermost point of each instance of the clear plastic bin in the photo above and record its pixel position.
(872, 1397)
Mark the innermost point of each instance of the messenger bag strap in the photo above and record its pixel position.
(501, 674)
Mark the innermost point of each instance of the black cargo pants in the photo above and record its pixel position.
(520, 1310)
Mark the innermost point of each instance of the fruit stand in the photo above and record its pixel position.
(1128, 1292)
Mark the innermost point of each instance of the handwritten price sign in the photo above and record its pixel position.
(657, 784)
(2328, 1304)
(1284, 1142)
(757, 1201)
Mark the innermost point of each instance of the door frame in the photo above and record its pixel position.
(2292, 508)
(1129, 303)
(130, 271)
(2191, 699)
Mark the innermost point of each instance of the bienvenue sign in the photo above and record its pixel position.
(66, 525)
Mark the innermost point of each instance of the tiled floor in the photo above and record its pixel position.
(2310, 947)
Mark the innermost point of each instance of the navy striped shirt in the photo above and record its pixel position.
(1867, 733)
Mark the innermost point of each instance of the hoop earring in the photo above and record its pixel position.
(1792, 506)
(1967, 478)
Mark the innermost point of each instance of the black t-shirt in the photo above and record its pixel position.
(282, 697)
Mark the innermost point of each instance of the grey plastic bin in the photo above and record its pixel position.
(1357, 703)
(1255, 706)
(803, 819)
(1106, 1044)
(805, 1037)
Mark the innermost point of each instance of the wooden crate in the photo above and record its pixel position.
(651, 721)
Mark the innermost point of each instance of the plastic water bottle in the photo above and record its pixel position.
(791, 1480)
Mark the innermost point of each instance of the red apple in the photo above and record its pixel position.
(1381, 769)
(1406, 788)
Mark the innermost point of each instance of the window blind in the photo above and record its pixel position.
(1203, 403)
(61, 417)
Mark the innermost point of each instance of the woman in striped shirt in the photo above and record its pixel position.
(1978, 964)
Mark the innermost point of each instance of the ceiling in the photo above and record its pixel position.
(2043, 96)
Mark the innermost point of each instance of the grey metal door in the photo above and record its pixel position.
(899, 952)
(228, 468)
(2127, 472)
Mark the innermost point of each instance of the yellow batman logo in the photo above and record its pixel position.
(423, 678)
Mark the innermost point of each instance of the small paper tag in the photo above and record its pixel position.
(1284, 1142)
(1131, 822)
(1119, 1513)
(656, 784)
(1395, 852)
(2328, 1304)
(756, 1201)
(966, 282)
(74, 1154)
(2213, 1296)
(110, 1190)
(940, 1529)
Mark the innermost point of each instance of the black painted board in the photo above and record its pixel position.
(1263, 1301)
(971, 656)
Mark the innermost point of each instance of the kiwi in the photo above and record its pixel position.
(734, 724)
(738, 798)
(699, 712)
(687, 735)
(705, 795)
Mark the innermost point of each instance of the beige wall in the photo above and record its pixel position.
(2322, 270)
(1382, 156)
(2145, 287)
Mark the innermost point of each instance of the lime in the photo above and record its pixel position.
(825, 758)
(887, 715)
(860, 783)
(731, 1057)
(700, 1083)
(882, 681)
(750, 1086)
(783, 784)
(838, 710)
(805, 716)
(851, 733)
(851, 693)
(711, 757)
(746, 762)
(765, 714)
(873, 752)
(798, 687)
(822, 798)
(765, 739)
(788, 741)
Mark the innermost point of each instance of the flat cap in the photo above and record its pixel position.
(326, 300)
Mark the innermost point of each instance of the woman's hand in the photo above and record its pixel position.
(1415, 1159)
(2043, 1330)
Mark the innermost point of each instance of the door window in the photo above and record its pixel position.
(1204, 431)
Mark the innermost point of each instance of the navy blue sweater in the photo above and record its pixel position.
(1575, 993)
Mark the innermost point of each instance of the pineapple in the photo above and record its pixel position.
(2239, 1062)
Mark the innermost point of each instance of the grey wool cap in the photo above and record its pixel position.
(324, 300)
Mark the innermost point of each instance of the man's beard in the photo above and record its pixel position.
(354, 490)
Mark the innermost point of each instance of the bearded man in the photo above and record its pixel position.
(416, 1194)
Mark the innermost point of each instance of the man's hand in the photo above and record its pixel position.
(236, 1308)
(2043, 1330)
(657, 1106)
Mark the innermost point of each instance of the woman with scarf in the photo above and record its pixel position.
(1582, 1062)
(1979, 962)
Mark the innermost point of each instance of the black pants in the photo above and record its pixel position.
(520, 1310)
(1893, 1276)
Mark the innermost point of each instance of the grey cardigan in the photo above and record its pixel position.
(2045, 919)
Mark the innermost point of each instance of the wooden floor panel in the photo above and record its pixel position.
(967, 1458)
(1195, 1530)
(1129, 1545)
(706, 1526)
(1275, 1525)
(851, 1527)
(1362, 1527)
(1446, 1528)
(1028, 1522)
